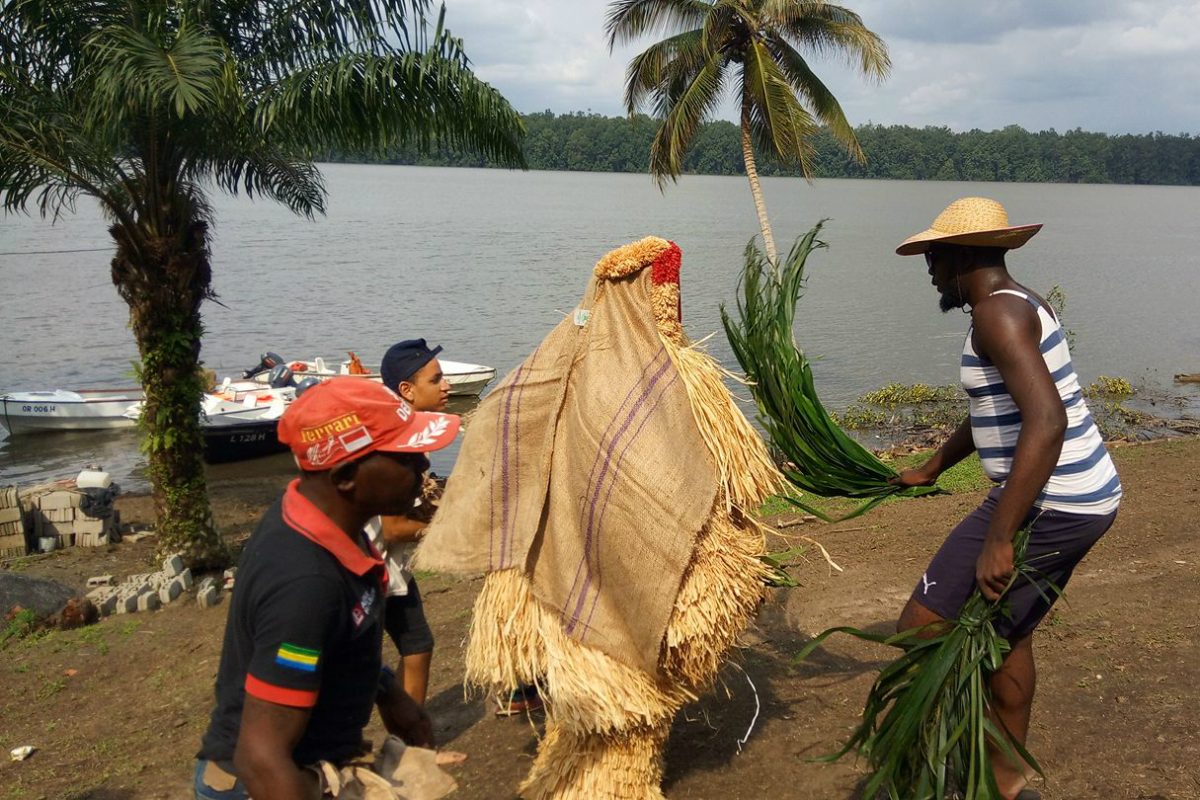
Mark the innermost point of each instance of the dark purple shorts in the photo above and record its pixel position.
(1057, 543)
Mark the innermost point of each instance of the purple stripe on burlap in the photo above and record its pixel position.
(510, 534)
(600, 523)
(506, 419)
(492, 493)
(662, 352)
(599, 484)
(598, 460)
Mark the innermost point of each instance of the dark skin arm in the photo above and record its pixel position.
(1007, 332)
(404, 718)
(263, 758)
(953, 450)
(401, 529)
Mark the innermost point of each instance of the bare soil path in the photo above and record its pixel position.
(116, 710)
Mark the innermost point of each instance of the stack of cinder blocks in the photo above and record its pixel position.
(12, 524)
(142, 592)
(58, 515)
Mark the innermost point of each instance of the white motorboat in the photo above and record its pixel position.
(60, 410)
(466, 380)
(239, 420)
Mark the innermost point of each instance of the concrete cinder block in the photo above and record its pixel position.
(108, 605)
(100, 580)
(148, 602)
(186, 577)
(208, 581)
(173, 565)
(89, 527)
(170, 591)
(60, 499)
(127, 603)
(100, 592)
(208, 597)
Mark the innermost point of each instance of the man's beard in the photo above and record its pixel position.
(951, 298)
(949, 302)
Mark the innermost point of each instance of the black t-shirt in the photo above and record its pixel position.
(305, 630)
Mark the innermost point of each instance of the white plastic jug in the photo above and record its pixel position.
(93, 479)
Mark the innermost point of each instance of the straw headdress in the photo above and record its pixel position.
(975, 221)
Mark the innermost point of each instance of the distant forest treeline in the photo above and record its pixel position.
(595, 143)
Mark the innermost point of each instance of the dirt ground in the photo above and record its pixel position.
(116, 710)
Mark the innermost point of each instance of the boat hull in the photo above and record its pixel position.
(47, 412)
(241, 441)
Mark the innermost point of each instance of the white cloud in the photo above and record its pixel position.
(1108, 65)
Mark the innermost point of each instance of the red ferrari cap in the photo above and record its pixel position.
(346, 418)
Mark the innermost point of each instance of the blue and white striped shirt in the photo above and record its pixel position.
(1084, 481)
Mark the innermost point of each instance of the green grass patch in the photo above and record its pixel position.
(22, 625)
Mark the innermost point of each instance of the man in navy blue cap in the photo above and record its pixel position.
(411, 369)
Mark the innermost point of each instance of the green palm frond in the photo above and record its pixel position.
(138, 69)
(690, 103)
(826, 29)
(824, 105)
(926, 725)
(369, 102)
(822, 458)
(680, 55)
(628, 20)
(778, 122)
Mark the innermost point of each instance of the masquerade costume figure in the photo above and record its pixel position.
(605, 487)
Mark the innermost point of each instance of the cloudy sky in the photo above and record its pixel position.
(1119, 66)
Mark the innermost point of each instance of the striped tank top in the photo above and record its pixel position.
(1084, 481)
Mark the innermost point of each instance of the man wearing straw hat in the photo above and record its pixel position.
(1035, 438)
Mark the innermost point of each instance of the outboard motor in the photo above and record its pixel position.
(280, 377)
(267, 361)
(306, 384)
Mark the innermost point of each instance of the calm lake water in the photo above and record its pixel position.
(485, 262)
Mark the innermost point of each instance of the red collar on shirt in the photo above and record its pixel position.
(310, 522)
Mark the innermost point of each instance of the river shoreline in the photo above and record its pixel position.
(116, 709)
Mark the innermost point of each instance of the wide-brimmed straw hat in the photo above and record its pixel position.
(975, 221)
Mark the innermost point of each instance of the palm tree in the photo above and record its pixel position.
(147, 105)
(754, 46)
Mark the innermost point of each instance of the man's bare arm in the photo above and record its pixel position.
(401, 529)
(263, 758)
(953, 450)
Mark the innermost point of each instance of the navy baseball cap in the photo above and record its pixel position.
(405, 359)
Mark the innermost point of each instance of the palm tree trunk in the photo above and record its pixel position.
(164, 279)
(760, 206)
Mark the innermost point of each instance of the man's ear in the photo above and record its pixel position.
(342, 476)
(406, 389)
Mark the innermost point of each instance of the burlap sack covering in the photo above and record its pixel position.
(570, 469)
(602, 488)
(398, 772)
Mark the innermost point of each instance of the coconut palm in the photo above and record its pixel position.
(148, 105)
(754, 47)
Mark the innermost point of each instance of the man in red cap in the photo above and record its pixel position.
(301, 662)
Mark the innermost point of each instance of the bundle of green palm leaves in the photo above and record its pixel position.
(926, 728)
(821, 457)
